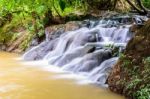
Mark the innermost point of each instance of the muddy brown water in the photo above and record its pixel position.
(18, 81)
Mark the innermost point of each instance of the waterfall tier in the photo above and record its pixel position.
(86, 51)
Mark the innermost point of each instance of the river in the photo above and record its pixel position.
(18, 81)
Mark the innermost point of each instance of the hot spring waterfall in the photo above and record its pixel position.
(87, 51)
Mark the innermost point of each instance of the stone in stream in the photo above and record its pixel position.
(38, 52)
(75, 53)
(88, 62)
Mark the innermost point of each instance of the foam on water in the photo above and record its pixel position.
(36, 63)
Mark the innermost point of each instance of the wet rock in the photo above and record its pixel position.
(137, 50)
(88, 61)
(75, 53)
(38, 52)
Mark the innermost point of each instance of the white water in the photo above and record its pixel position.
(82, 52)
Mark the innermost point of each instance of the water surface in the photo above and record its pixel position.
(18, 81)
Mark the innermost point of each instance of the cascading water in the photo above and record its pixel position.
(85, 51)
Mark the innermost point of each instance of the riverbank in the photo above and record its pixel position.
(130, 76)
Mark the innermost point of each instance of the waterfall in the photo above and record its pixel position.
(100, 73)
(86, 51)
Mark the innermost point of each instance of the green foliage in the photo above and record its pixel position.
(137, 78)
(133, 83)
(10, 29)
(146, 3)
(143, 93)
(32, 15)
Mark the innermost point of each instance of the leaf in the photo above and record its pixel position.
(62, 5)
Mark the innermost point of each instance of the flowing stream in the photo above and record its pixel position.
(85, 53)
(20, 81)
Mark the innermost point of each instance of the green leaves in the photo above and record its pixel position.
(146, 3)
(62, 4)
(40, 9)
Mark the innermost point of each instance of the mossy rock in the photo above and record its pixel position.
(133, 67)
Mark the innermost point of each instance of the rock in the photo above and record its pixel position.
(55, 31)
(138, 49)
(70, 26)
(2, 47)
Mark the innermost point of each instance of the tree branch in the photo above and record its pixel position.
(136, 8)
(142, 6)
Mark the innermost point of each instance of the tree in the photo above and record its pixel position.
(142, 10)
